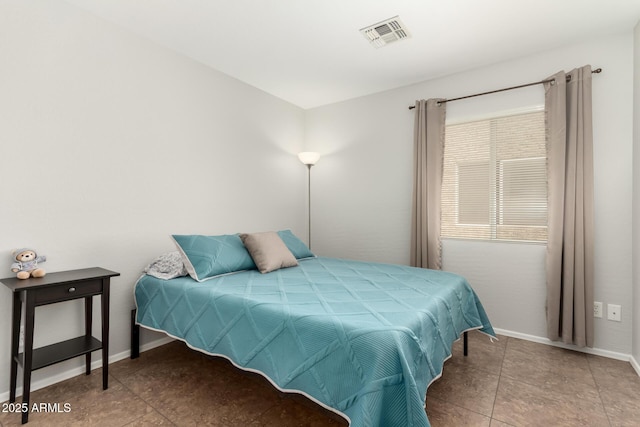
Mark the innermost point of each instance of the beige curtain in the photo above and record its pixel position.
(570, 242)
(428, 138)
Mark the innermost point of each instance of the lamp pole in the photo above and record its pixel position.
(309, 201)
(309, 158)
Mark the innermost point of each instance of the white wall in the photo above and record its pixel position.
(109, 144)
(636, 200)
(362, 185)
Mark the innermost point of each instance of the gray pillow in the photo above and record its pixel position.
(167, 266)
(268, 251)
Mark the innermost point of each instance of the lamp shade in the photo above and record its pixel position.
(309, 157)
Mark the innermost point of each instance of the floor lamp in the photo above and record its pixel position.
(309, 158)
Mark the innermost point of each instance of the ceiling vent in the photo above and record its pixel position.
(385, 32)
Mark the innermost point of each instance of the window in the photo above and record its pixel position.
(494, 182)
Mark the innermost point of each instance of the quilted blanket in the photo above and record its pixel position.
(363, 339)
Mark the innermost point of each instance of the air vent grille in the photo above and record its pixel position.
(385, 32)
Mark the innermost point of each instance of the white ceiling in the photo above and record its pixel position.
(310, 52)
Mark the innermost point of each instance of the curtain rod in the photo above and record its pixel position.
(596, 71)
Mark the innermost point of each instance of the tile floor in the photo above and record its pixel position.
(506, 383)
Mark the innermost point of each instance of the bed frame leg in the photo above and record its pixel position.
(135, 336)
(465, 343)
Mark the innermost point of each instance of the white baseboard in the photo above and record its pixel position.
(635, 365)
(547, 341)
(45, 382)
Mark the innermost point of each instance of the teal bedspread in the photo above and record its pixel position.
(364, 339)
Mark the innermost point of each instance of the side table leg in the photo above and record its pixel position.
(15, 344)
(105, 333)
(88, 318)
(28, 353)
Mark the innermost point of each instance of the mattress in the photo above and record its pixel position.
(362, 339)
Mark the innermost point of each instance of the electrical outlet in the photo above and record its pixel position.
(597, 309)
(614, 312)
(21, 339)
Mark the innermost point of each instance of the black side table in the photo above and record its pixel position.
(53, 288)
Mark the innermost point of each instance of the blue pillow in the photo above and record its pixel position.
(295, 245)
(206, 257)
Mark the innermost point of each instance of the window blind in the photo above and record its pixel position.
(495, 179)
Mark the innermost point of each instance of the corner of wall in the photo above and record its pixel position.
(635, 364)
(635, 346)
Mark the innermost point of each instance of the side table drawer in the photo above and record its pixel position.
(68, 291)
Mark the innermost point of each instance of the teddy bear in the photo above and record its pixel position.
(26, 264)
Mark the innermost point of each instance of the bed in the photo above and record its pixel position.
(362, 339)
